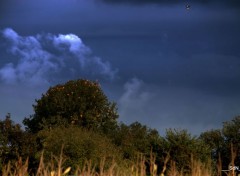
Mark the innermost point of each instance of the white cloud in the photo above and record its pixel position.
(44, 57)
(132, 89)
(103, 68)
(32, 62)
(10, 34)
(135, 100)
(73, 42)
(8, 74)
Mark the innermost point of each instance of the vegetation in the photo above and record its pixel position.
(78, 145)
(56, 168)
(74, 130)
(79, 102)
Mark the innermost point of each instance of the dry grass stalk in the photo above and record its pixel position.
(219, 165)
(41, 167)
(142, 166)
(200, 169)
(197, 168)
(17, 169)
(173, 170)
(167, 158)
(153, 165)
(232, 163)
(138, 169)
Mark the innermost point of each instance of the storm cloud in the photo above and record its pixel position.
(172, 2)
(46, 58)
(163, 65)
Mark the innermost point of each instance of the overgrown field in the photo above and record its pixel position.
(74, 131)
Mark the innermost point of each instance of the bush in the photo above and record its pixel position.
(79, 146)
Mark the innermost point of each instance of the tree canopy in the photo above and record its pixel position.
(14, 142)
(182, 146)
(79, 116)
(79, 102)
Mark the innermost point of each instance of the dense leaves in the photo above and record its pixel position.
(79, 146)
(14, 142)
(136, 138)
(182, 146)
(78, 116)
(231, 132)
(79, 102)
(225, 143)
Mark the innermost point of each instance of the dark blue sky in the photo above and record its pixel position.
(164, 65)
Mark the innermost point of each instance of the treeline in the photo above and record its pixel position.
(78, 119)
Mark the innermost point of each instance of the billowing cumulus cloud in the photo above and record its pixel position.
(43, 58)
(32, 62)
(72, 42)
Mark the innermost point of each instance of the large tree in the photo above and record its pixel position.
(14, 142)
(80, 102)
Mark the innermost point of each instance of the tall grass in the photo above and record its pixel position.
(55, 168)
(232, 163)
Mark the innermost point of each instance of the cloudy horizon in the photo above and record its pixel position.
(164, 65)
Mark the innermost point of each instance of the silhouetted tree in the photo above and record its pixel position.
(14, 142)
(80, 102)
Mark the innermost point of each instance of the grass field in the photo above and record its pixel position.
(20, 168)
(138, 168)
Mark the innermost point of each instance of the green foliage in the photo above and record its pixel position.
(231, 132)
(78, 116)
(79, 146)
(182, 146)
(10, 137)
(14, 142)
(220, 142)
(214, 139)
(135, 138)
(79, 102)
